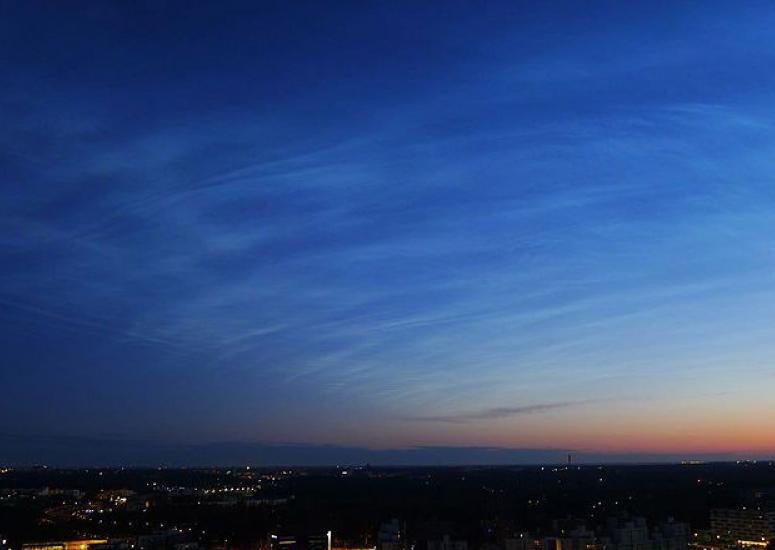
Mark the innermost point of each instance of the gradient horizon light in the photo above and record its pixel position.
(390, 225)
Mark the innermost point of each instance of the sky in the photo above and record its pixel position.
(402, 230)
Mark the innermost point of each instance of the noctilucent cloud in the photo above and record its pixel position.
(390, 225)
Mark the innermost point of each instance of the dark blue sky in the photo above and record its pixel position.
(386, 225)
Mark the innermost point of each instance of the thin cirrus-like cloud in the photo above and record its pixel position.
(495, 413)
(556, 240)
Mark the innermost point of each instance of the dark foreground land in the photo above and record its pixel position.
(483, 506)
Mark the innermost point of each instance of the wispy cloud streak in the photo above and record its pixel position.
(284, 252)
(494, 413)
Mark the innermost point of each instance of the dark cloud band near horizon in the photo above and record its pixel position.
(495, 412)
(63, 451)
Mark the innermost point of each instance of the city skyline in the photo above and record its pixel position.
(383, 227)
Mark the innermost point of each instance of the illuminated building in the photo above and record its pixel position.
(579, 539)
(747, 527)
(521, 542)
(64, 545)
(672, 535)
(300, 542)
(629, 535)
(703, 539)
(446, 543)
(634, 534)
(390, 536)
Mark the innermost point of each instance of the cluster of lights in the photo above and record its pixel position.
(229, 490)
